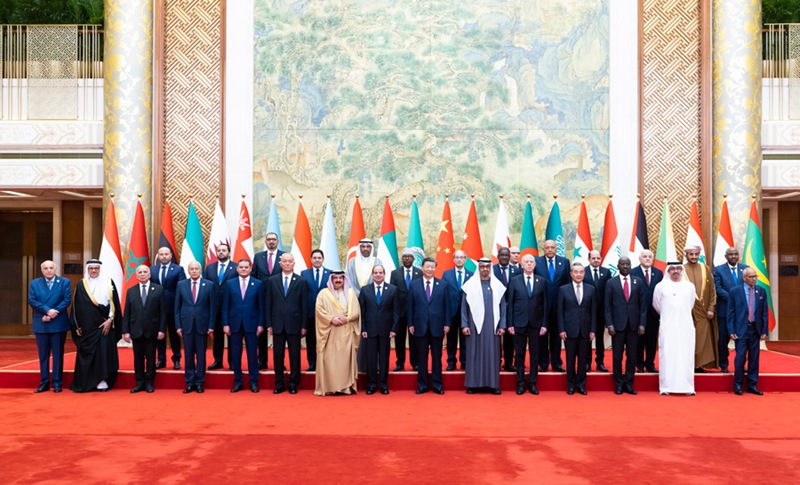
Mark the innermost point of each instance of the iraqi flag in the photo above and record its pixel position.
(387, 243)
(502, 238)
(639, 241)
(243, 249)
(755, 257)
(219, 234)
(724, 235)
(583, 238)
(555, 231)
(110, 253)
(301, 241)
(611, 250)
(327, 241)
(192, 249)
(694, 233)
(665, 251)
(166, 238)
(527, 240)
(471, 243)
(357, 232)
(446, 245)
(138, 252)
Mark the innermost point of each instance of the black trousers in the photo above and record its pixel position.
(377, 361)
(144, 360)
(577, 349)
(599, 344)
(424, 343)
(624, 342)
(279, 342)
(174, 340)
(263, 349)
(550, 344)
(526, 337)
(508, 349)
(311, 342)
(400, 345)
(218, 348)
(648, 344)
(456, 340)
(724, 338)
(194, 346)
(235, 349)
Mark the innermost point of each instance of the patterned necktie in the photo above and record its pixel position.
(428, 289)
(378, 294)
(244, 287)
(49, 284)
(735, 276)
(144, 294)
(752, 312)
(578, 293)
(626, 289)
(221, 272)
(460, 280)
(269, 263)
(285, 285)
(530, 288)
(194, 291)
(552, 270)
(408, 278)
(163, 275)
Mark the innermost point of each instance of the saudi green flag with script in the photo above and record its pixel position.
(555, 231)
(755, 257)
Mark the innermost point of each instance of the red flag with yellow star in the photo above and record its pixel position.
(446, 245)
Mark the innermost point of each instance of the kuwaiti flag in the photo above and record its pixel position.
(471, 243)
(387, 243)
(610, 251)
(414, 241)
(694, 233)
(138, 252)
(219, 234)
(301, 242)
(527, 240)
(554, 231)
(243, 249)
(446, 245)
(192, 249)
(357, 232)
(327, 241)
(755, 257)
(274, 224)
(639, 240)
(502, 238)
(724, 236)
(110, 254)
(166, 238)
(583, 237)
(665, 252)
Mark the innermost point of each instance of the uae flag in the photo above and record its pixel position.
(554, 231)
(301, 242)
(219, 234)
(694, 233)
(502, 239)
(639, 241)
(327, 241)
(610, 251)
(755, 257)
(166, 238)
(446, 245)
(387, 243)
(138, 252)
(724, 236)
(527, 240)
(471, 243)
(583, 238)
(665, 251)
(357, 232)
(192, 249)
(110, 254)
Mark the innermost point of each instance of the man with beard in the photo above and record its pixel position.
(338, 334)
(726, 277)
(706, 352)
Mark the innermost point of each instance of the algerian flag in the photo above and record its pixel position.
(527, 240)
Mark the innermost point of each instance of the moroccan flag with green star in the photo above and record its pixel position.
(755, 257)
(138, 252)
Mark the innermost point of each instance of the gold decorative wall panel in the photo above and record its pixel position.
(52, 72)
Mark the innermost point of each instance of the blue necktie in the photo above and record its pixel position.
(460, 280)
(49, 284)
(408, 278)
(735, 277)
(378, 295)
(221, 272)
(285, 285)
(552, 270)
(317, 278)
(163, 275)
(530, 290)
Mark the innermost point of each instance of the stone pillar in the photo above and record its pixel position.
(128, 110)
(736, 110)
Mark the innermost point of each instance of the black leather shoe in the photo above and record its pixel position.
(161, 364)
(640, 369)
(582, 391)
(263, 366)
(106, 389)
(279, 390)
(292, 390)
(370, 391)
(754, 390)
(496, 392)
(438, 391)
(509, 368)
(137, 389)
(56, 390)
(588, 367)
(236, 388)
(450, 367)
(415, 368)
(571, 391)
(199, 390)
(471, 390)
(384, 390)
(42, 388)
(533, 390)
(651, 369)
(253, 387)
(542, 368)
(724, 370)
(421, 391)
(188, 389)
(177, 365)
(520, 390)
(397, 368)
(559, 369)
(215, 366)
(602, 368)
(311, 368)
(618, 390)
(630, 390)
(737, 390)
(699, 370)
(149, 388)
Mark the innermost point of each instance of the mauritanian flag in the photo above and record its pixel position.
(138, 252)
(166, 238)
(639, 241)
(357, 231)
(471, 243)
(219, 234)
(301, 242)
(446, 245)
(387, 243)
(327, 241)
(243, 249)
(110, 254)
(414, 241)
(527, 240)
(724, 236)
(273, 223)
(583, 238)
(611, 250)
(694, 233)
(755, 257)
(665, 252)
(192, 249)
(502, 238)
(554, 231)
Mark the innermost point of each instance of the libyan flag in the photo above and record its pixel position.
(755, 257)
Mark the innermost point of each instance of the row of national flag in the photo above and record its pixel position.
(194, 249)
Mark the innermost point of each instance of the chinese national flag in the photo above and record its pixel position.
(446, 245)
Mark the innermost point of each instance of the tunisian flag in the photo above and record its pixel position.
(138, 252)
(244, 239)
(301, 242)
(110, 254)
(446, 245)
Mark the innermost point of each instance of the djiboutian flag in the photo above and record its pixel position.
(471, 244)
(694, 233)
(357, 232)
(527, 240)
(219, 234)
(446, 245)
(327, 241)
(639, 240)
(583, 238)
(610, 251)
(166, 238)
(665, 252)
(724, 236)
(755, 257)
(192, 249)
(554, 231)
(110, 254)
(138, 251)
(301, 242)
(243, 249)
(502, 239)
(387, 243)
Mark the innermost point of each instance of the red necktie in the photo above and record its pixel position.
(647, 276)
(626, 289)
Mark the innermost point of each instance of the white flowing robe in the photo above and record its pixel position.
(676, 340)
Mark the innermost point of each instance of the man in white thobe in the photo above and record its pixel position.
(673, 299)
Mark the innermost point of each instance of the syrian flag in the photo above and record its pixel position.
(502, 238)
(639, 241)
(755, 257)
(694, 234)
(665, 251)
(610, 251)
(446, 245)
(387, 243)
(301, 242)
(724, 236)
(110, 254)
(554, 231)
(244, 237)
(166, 238)
(527, 240)
(138, 252)
(583, 238)
(274, 224)
(357, 232)
(471, 243)
(328, 240)
(219, 234)
(192, 249)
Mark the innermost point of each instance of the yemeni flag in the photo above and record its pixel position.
(724, 236)
(274, 224)
(502, 238)
(166, 238)
(527, 240)
(694, 233)
(301, 242)
(192, 249)
(755, 257)
(110, 254)
(639, 241)
(244, 237)
(138, 252)
(665, 251)
(446, 245)
(583, 237)
(611, 250)
(387, 243)
(554, 231)
(328, 240)
(471, 243)
(219, 234)
(357, 232)
(414, 241)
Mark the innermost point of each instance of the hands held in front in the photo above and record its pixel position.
(339, 321)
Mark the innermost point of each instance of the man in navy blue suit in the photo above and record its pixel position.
(317, 278)
(504, 272)
(648, 343)
(726, 277)
(527, 320)
(380, 311)
(429, 321)
(218, 273)
(455, 278)
(597, 276)
(243, 318)
(49, 297)
(747, 325)
(556, 273)
(576, 315)
(195, 316)
(168, 274)
(266, 264)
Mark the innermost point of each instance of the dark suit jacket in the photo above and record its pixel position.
(512, 272)
(42, 300)
(211, 273)
(723, 283)
(576, 320)
(175, 274)
(286, 314)
(455, 294)
(522, 309)
(631, 313)
(398, 280)
(196, 316)
(424, 315)
(313, 289)
(599, 287)
(247, 312)
(561, 278)
(144, 321)
(261, 268)
(738, 311)
(379, 319)
(656, 275)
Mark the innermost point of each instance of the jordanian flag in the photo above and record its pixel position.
(755, 257)
(554, 231)
(414, 241)
(527, 240)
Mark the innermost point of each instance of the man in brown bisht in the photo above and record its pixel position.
(706, 354)
(338, 318)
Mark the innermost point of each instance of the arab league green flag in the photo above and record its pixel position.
(414, 241)
(554, 230)
(193, 248)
